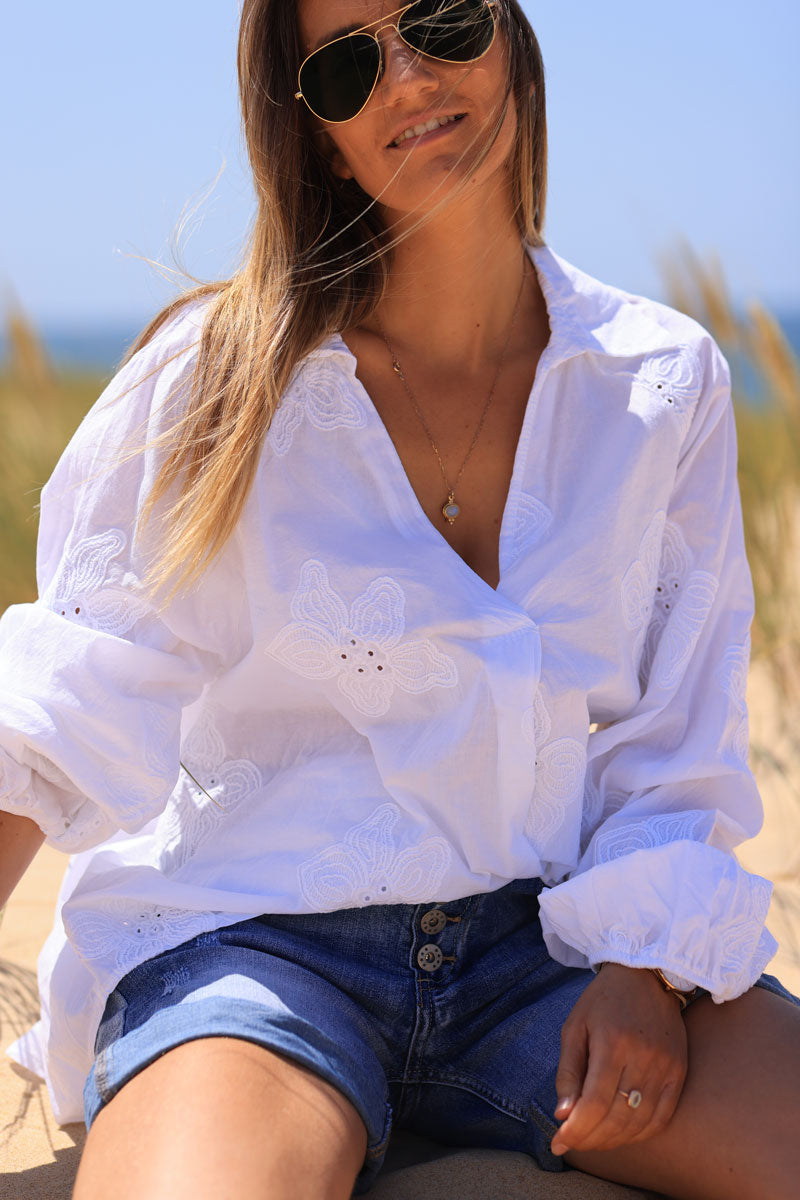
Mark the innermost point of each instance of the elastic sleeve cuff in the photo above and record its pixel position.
(685, 907)
(70, 822)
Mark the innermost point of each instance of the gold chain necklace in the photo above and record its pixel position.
(450, 510)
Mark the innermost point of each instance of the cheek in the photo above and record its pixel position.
(508, 133)
(500, 107)
(341, 154)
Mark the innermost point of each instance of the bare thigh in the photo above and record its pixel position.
(734, 1134)
(224, 1118)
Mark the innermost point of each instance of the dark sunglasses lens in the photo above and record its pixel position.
(337, 80)
(455, 30)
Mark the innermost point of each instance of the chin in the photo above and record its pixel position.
(446, 184)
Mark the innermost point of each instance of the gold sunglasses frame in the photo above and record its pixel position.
(387, 23)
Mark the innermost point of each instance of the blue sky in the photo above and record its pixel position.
(666, 121)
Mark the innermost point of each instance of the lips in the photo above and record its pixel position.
(420, 127)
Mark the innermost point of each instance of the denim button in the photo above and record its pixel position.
(433, 921)
(430, 957)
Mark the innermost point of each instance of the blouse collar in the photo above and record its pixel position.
(585, 316)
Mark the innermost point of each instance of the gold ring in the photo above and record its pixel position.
(634, 1097)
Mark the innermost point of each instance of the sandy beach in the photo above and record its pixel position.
(39, 1159)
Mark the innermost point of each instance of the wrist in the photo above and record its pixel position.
(682, 989)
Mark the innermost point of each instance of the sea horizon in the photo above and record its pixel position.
(100, 347)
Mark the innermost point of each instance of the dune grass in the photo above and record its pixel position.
(40, 408)
(766, 391)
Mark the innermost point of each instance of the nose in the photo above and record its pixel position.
(406, 73)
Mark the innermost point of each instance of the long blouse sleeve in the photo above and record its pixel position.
(93, 678)
(669, 793)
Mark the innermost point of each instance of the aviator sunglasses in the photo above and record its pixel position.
(337, 80)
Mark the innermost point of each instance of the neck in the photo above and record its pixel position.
(454, 284)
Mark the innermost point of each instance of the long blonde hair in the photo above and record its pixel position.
(316, 263)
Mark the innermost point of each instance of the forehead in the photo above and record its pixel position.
(320, 21)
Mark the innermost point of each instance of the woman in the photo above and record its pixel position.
(414, 615)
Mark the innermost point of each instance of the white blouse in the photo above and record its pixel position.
(343, 713)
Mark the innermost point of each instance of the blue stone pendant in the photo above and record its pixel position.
(450, 510)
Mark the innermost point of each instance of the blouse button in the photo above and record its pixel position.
(430, 957)
(433, 921)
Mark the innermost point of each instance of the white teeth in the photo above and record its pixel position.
(418, 130)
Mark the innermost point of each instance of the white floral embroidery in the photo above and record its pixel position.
(732, 678)
(597, 808)
(560, 775)
(215, 788)
(532, 521)
(362, 647)
(732, 673)
(639, 581)
(132, 797)
(536, 723)
(82, 591)
(613, 801)
(674, 376)
(368, 867)
(648, 833)
(680, 635)
(622, 942)
(740, 937)
(592, 809)
(126, 932)
(676, 563)
(204, 748)
(560, 771)
(322, 393)
(682, 601)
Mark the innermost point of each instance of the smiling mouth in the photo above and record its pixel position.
(415, 131)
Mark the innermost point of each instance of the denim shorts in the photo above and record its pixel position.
(444, 1019)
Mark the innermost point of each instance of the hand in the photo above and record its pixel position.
(624, 1032)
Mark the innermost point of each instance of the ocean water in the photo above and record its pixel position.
(790, 323)
(100, 348)
(89, 348)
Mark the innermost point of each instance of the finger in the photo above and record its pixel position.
(664, 1109)
(661, 1083)
(571, 1068)
(622, 1123)
(596, 1098)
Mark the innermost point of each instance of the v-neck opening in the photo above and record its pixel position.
(421, 519)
